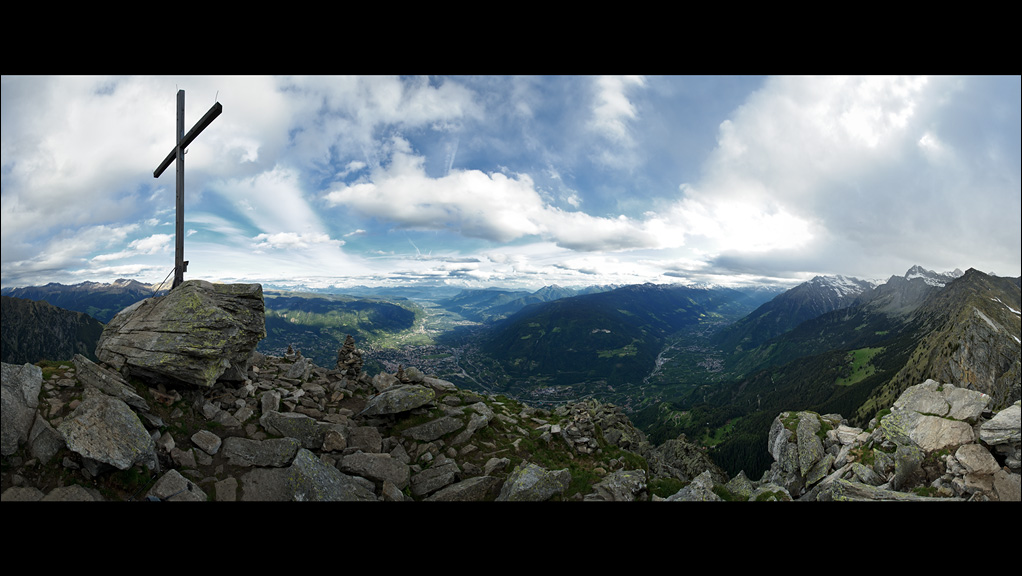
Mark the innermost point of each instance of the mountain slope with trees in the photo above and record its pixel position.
(613, 336)
(33, 331)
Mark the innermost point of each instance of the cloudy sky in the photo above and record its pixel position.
(512, 181)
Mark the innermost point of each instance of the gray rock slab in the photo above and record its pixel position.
(273, 452)
(310, 480)
(700, 490)
(365, 438)
(207, 441)
(1004, 428)
(173, 487)
(976, 459)
(265, 485)
(931, 433)
(439, 385)
(620, 486)
(376, 467)
(434, 429)
(924, 398)
(305, 429)
(22, 494)
(529, 482)
(810, 446)
(226, 490)
(109, 382)
(475, 489)
(440, 474)
(843, 490)
(44, 441)
(106, 430)
(1007, 486)
(19, 400)
(397, 399)
(72, 493)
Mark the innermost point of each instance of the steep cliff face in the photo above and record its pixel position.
(969, 335)
(32, 331)
(982, 357)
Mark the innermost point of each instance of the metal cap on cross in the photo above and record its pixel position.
(182, 141)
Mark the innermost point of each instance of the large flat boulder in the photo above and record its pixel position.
(934, 416)
(532, 483)
(104, 429)
(196, 334)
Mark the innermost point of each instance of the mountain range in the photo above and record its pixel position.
(713, 363)
(960, 328)
(99, 300)
(493, 304)
(804, 302)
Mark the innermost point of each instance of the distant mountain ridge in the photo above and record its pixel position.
(867, 319)
(99, 300)
(492, 304)
(787, 310)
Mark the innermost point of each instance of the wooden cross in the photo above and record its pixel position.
(183, 140)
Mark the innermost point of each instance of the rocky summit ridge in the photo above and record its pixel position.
(285, 429)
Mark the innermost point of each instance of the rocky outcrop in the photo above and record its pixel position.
(682, 460)
(621, 486)
(196, 334)
(938, 442)
(318, 437)
(317, 434)
(985, 357)
(1003, 434)
(700, 490)
(531, 483)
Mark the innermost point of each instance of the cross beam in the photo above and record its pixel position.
(183, 140)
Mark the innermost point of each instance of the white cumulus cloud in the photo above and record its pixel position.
(491, 206)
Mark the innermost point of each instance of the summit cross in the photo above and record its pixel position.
(178, 153)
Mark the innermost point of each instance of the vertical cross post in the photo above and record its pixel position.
(182, 140)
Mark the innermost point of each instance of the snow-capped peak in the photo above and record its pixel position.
(842, 285)
(938, 279)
